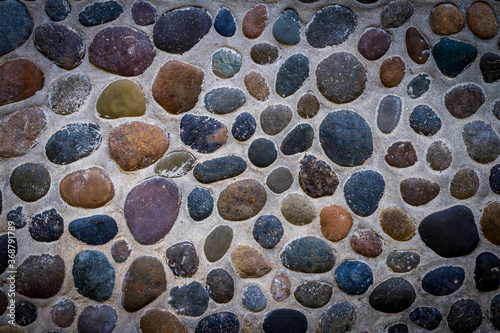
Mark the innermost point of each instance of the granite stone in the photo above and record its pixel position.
(363, 191)
(183, 259)
(200, 204)
(203, 134)
(401, 154)
(93, 275)
(292, 75)
(244, 127)
(331, 25)
(47, 226)
(267, 231)
(367, 243)
(219, 168)
(69, 93)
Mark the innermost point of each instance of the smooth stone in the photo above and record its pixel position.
(255, 21)
(397, 224)
(292, 75)
(495, 179)
(336, 222)
(254, 299)
(100, 13)
(418, 191)
(392, 71)
(267, 231)
(182, 259)
(120, 251)
(396, 14)
(496, 108)
(452, 56)
(122, 98)
(389, 113)
(374, 43)
(419, 85)
(19, 131)
(308, 255)
(495, 312)
(69, 93)
(93, 275)
(218, 169)
(264, 53)
(218, 242)
(403, 261)
(363, 191)
(94, 230)
(242, 200)
(224, 100)
(177, 86)
(220, 285)
(464, 184)
(285, 320)
(286, 29)
(158, 321)
(203, 134)
(226, 63)
(88, 188)
(279, 180)
(331, 25)
(151, 209)
(425, 121)
(262, 152)
(25, 313)
(175, 164)
(17, 217)
(426, 317)
(47, 226)
(298, 140)
(313, 294)
(121, 50)
(144, 13)
(367, 243)
(481, 20)
(398, 328)
(189, 300)
(482, 141)
(446, 19)
(275, 118)
(487, 272)
(97, 319)
(257, 86)
(57, 10)
(249, 262)
(308, 106)
(490, 67)
(340, 317)
(63, 312)
(15, 27)
(439, 156)
(465, 316)
(19, 79)
(200, 204)
(40, 276)
(417, 46)
(451, 232)
(298, 209)
(244, 127)
(354, 277)
(281, 287)
(392, 296)
(30, 181)
(73, 142)
(226, 322)
(316, 177)
(444, 280)
(251, 324)
(401, 154)
(464, 100)
(179, 30)
(490, 222)
(224, 22)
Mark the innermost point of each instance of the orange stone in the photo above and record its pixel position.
(89, 188)
(255, 21)
(250, 263)
(336, 222)
(490, 222)
(257, 86)
(446, 19)
(481, 20)
(392, 72)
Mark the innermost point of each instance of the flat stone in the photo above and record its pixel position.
(203, 134)
(175, 164)
(94, 230)
(97, 319)
(401, 154)
(257, 86)
(144, 13)
(452, 56)
(481, 20)
(286, 29)
(336, 223)
(122, 98)
(226, 322)
(446, 19)
(262, 152)
(158, 321)
(367, 243)
(313, 294)
(341, 77)
(397, 224)
(444, 280)
(418, 191)
(218, 242)
(224, 22)
(251, 324)
(182, 259)
(120, 251)
(396, 14)
(40, 276)
(121, 50)
(25, 313)
(224, 100)
(20, 130)
(292, 75)
(16, 215)
(63, 313)
(11, 329)
(308, 255)
(47, 226)
(464, 100)
(316, 178)
(298, 209)
(392, 71)
(189, 300)
(69, 93)
(275, 118)
(200, 204)
(93, 275)
(490, 222)
(426, 317)
(374, 43)
(331, 25)
(243, 127)
(403, 261)
(16, 25)
(495, 311)
(267, 231)
(4, 251)
(264, 53)
(100, 13)
(495, 179)
(340, 317)
(30, 181)
(255, 21)
(392, 296)
(242, 200)
(88, 188)
(451, 232)
(490, 67)
(486, 273)
(144, 281)
(439, 156)
(151, 209)
(254, 299)
(57, 10)
(363, 191)
(354, 277)
(418, 86)
(218, 169)
(19, 79)
(249, 262)
(417, 46)
(279, 180)
(308, 106)
(226, 63)
(465, 316)
(285, 320)
(464, 184)
(482, 141)
(298, 140)
(389, 113)
(281, 287)
(425, 121)
(220, 285)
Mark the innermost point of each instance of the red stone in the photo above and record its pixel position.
(19, 79)
(20, 130)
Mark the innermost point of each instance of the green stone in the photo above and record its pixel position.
(122, 98)
(403, 261)
(452, 56)
(175, 164)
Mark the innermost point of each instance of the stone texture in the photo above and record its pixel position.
(69, 93)
(419, 85)
(182, 259)
(93, 275)
(313, 294)
(465, 316)
(16, 25)
(255, 21)
(444, 280)
(389, 112)
(122, 98)
(189, 299)
(340, 317)
(374, 43)
(176, 164)
(481, 20)
(298, 209)
(495, 179)
(200, 204)
(490, 222)
(331, 25)
(401, 154)
(17, 216)
(281, 287)
(354, 277)
(392, 296)
(464, 184)
(425, 121)
(392, 71)
(285, 320)
(363, 191)
(40, 276)
(396, 223)
(218, 242)
(396, 14)
(446, 19)
(267, 231)
(224, 22)
(242, 200)
(403, 261)
(367, 243)
(292, 75)
(251, 324)
(279, 180)
(426, 317)
(495, 311)
(97, 319)
(308, 255)
(439, 156)
(226, 322)
(275, 118)
(254, 299)
(316, 178)
(220, 285)
(244, 127)
(249, 262)
(144, 13)
(336, 223)
(298, 140)
(257, 86)
(88, 188)
(490, 67)
(224, 100)
(308, 106)
(226, 63)
(452, 56)
(30, 181)
(481, 141)
(262, 152)
(100, 13)
(63, 312)
(94, 230)
(19, 79)
(57, 10)
(202, 133)
(418, 191)
(464, 100)
(487, 272)
(218, 169)
(20, 130)
(417, 46)
(25, 313)
(159, 321)
(47, 226)
(264, 53)
(120, 251)
(286, 29)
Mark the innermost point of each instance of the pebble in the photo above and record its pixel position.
(16, 215)
(481, 20)
(4, 301)
(255, 21)
(389, 113)
(341, 78)
(487, 272)
(63, 312)
(331, 25)
(157, 321)
(417, 46)
(203, 134)
(490, 67)
(313, 294)
(11, 329)
(444, 280)
(340, 317)
(281, 287)
(122, 98)
(257, 86)
(218, 242)
(363, 191)
(286, 29)
(19, 79)
(285, 320)
(279, 180)
(177, 86)
(464, 100)
(392, 296)
(398, 328)
(200, 204)
(308, 106)
(396, 14)
(242, 200)
(264, 53)
(151, 209)
(298, 209)
(425, 121)
(88, 188)
(439, 156)
(336, 223)
(120, 251)
(97, 319)
(490, 222)
(254, 299)
(401, 154)
(495, 311)
(16, 25)
(292, 75)
(367, 243)
(40, 276)
(426, 317)
(244, 127)
(251, 324)
(94, 230)
(346, 138)
(4, 251)
(69, 93)
(182, 259)
(397, 224)
(19, 131)
(354, 277)
(298, 140)
(220, 285)
(451, 232)
(495, 179)
(465, 316)
(175, 164)
(30, 181)
(57, 10)
(452, 56)
(308, 255)
(392, 71)
(496, 108)
(224, 100)
(144, 13)
(121, 50)
(262, 152)
(446, 19)
(226, 322)
(374, 43)
(418, 86)
(224, 22)
(100, 13)
(275, 118)
(218, 169)
(267, 231)
(189, 299)
(418, 191)
(403, 261)
(249, 262)
(47, 226)
(482, 141)
(226, 63)
(316, 177)
(25, 313)
(93, 275)
(464, 184)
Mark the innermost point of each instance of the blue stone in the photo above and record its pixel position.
(202, 133)
(495, 179)
(389, 112)
(426, 317)
(57, 10)
(244, 127)
(286, 29)
(16, 25)
(226, 63)
(224, 100)
(254, 299)
(285, 321)
(100, 13)
(262, 152)
(487, 272)
(363, 192)
(200, 204)
(224, 22)
(308, 255)
(452, 56)
(93, 275)
(292, 74)
(4, 251)
(354, 277)
(418, 86)
(219, 169)
(298, 140)
(330, 26)
(94, 230)
(226, 322)
(423, 120)
(47, 226)
(189, 300)
(443, 280)
(268, 231)
(341, 317)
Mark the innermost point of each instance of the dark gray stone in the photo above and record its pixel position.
(495, 179)
(482, 141)
(444, 280)
(418, 86)
(267, 231)
(189, 300)
(264, 53)
(286, 29)
(200, 204)
(298, 140)
(100, 13)
(389, 112)
(220, 285)
(285, 321)
(354, 277)
(218, 242)
(495, 312)
(25, 313)
(226, 322)
(47, 226)
(279, 180)
(94, 230)
(16, 215)
(57, 10)
(487, 272)
(425, 121)
(313, 294)
(426, 317)
(144, 13)
(224, 100)
(308, 255)
(392, 296)
(341, 317)
(30, 181)
(219, 169)
(16, 25)
(40, 276)
(93, 275)
(396, 14)
(244, 127)
(490, 67)
(254, 299)
(224, 22)
(330, 26)
(292, 75)
(262, 152)
(97, 319)
(275, 118)
(363, 191)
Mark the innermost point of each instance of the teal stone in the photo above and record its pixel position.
(452, 56)
(226, 63)
(403, 261)
(175, 164)
(308, 255)
(286, 29)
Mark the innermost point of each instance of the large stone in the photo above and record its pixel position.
(363, 191)
(218, 242)
(417, 46)
(298, 140)
(298, 209)
(401, 154)
(444, 280)
(242, 200)
(30, 181)
(255, 21)
(182, 259)
(100, 13)
(69, 93)
(389, 112)
(374, 43)
(161, 321)
(395, 222)
(226, 322)
(16, 25)
(40, 276)
(275, 118)
(308, 255)
(47, 226)
(341, 317)
(20, 130)
(19, 79)
(224, 100)
(490, 222)
(482, 141)
(452, 56)
(332, 25)
(418, 191)
(93, 275)
(285, 320)
(94, 230)
(286, 29)
(481, 20)
(336, 222)
(220, 285)
(292, 75)
(465, 316)
(219, 168)
(354, 277)
(316, 178)
(446, 19)
(97, 319)
(392, 296)
(249, 262)
(224, 22)
(396, 14)
(313, 294)
(202, 133)
(122, 98)
(464, 100)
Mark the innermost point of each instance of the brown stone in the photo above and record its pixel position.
(367, 243)
(316, 177)
(40, 276)
(19, 79)
(250, 263)
(63, 312)
(10, 329)
(336, 222)
(161, 321)
(401, 154)
(281, 287)
(20, 130)
(418, 191)
(88, 188)
(481, 20)
(439, 156)
(264, 53)
(374, 43)
(136, 145)
(251, 324)
(464, 100)
(417, 46)
(242, 200)
(177, 86)
(490, 222)
(464, 184)
(392, 72)
(308, 106)
(446, 19)
(257, 86)
(396, 223)
(255, 21)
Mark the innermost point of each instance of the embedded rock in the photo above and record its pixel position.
(226, 63)
(464, 100)
(200, 204)
(354, 277)
(313, 294)
(392, 71)
(255, 21)
(202, 133)
(16, 25)
(182, 259)
(30, 181)
(308, 106)
(19, 131)
(244, 127)
(249, 262)
(425, 121)
(218, 242)
(254, 299)
(308, 255)
(332, 25)
(93, 275)
(262, 152)
(392, 296)
(281, 287)
(241, 200)
(120, 251)
(224, 100)
(122, 98)
(426, 317)
(487, 272)
(403, 261)
(94, 230)
(396, 14)
(481, 20)
(363, 192)
(47, 226)
(267, 231)
(144, 13)
(19, 79)
(257, 86)
(100, 13)
(279, 180)
(395, 222)
(482, 141)
(63, 312)
(444, 280)
(464, 184)
(40, 276)
(341, 317)
(490, 67)
(418, 86)
(57, 10)
(264, 53)
(401, 154)
(374, 43)
(218, 169)
(275, 118)
(226, 322)
(446, 19)
(292, 75)
(316, 178)
(490, 222)
(465, 316)
(286, 29)
(157, 321)
(336, 223)
(298, 209)
(220, 285)
(298, 140)
(389, 112)
(97, 319)
(189, 299)
(417, 46)
(69, 93)
(439, 156)
(418, 191)
(175, 164)
(452, 56)
(224, 22)
(367, 243)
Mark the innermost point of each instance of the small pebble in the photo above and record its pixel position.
(452, 56)
(57, 10)
(122, 98)
(495, 311)
(490, 222)
(340, 317)
(313, 294)
(249, 262)
(285, 320)
(396, 14)
(218, 242)
(100, 13)
(496, 108)
(251, 324)
(367, 243)
(16, 25)
(200, 204)
(267, 231)
(401, 154)
(182, 259)
(374, 43)
(281, 287)
(336, 223)
(392, 71)
(495, 179)
(47, 226)
(298, 209)
(20, 130)
(144, 13)
(120, 251)
(25, 313)
(444, 280)
(418, 86)
(481, 141)
(308, 255)
(97, 319)
(286, 29)
(403, 261)
(16, 215)
(389, 112)
(244, 127)
(220, 285)
(298, 140)
(398, 328)
(262, 152)
(446, 19)
(279, 180)
(426, 317)
(226, 63)
(176, 164)
(203, 134)
(93, 275)
(418, 191)
(331, 25)
(392, 296)
(275, 118)
(487, 272)
(257, 86)
(242, 200)
(397, 224)
(189, 300)
(354, 277)
(464, 100)
(19, 79)
(63, 313)
(292, 75)
(30, 181)
(94, 230)
(417, 46)
(308, 106)
(425, 121)
(481, 20)
(363, 192)
(224, 100)
(220, 168)
(490, 67)
(439, 156)
(255, 21)
(157, 321)
(40, 276)
(226, 322)
(254, 299)
(264, 53)
(224, 22)
(464, 184)
(69, 93)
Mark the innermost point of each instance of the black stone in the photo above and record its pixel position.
(487, 272)
(30, 181)
(426, 317)
(285, 321)
(298, 140)
(220, 285)
(490, 67)
(47, 226)
(443, 280)
(264, 53)
(341, 317)
(363, 192)
(16, 25)
(452, 56)
(182, 259)
(189, 300)
(224, 100)
(25, 312)
(254, 299)
(398, 328)
(495, 312)
(392, 296)
(308, 255)
(200, 204)
(97, 319)
(292, 75)
(202, 133)
(496, 109)
(57, 10)
(223, 322)
(481, 141)
(389, 112)
(94, 230)
(262, 152)
(423, 120)
(16, 215)
(224, 22)
(219, 168)
(100, 13)
(244, 127)
(8, 246)
(418, 86)
(396, 14)
(495, 179)
(313, 294)
(268, 231)
(93, 275)
(144, 13)
(465, 316)
(330, 26)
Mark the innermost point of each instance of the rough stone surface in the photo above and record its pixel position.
(392, 71)
(100, 13)
(251, 324)
(220, 285)
(389, 112)
(464, 100)
(446, 19)
(425, 121)
(262, 152)
(122, 98)
(224, 22)
(120, 251)
(313, 294)
(396, 14)
(249, 262)
(426, 317)
(292, 75)
(57, 10)
(182, 259)
(363, 191)
(226, 63)
(417, 46)
(332, 25)
(495, 311)
(30, 181)
(17, 216)
(298, 140)
(367, 243)
(69, 93)
(47, 226)
(40, 276)
(254, 299)
(308, 106)
(94, 230)
(403, 261)
(257, 86)
(16, 25)
(218, 242)
(401, 154)
(19, 79)
(439, 156)
(308, 255)
(25, 313)
(464, 184)
(218, 169)
(465, 316)
(298, 209)
(482, 141)
(97, 319)
(200, 204)
(63, 312)
(285, 320)
(20, 130)
(374, 43)
(452, 56)
(487, 272)
(495, 179)
(224, 100)
(202, 133)
(279, 180)
(340, 317)
(396, 223)
(189, 299)
(316, 178)
(275, 118)
(226, 322)
(490, 67)
(242, 200)
(444, 280)
(354, 277)
(490, 222)
(244, 127)
(267, 231)
(392, 296)
(264, 53)
(281, 287)
(255, 21)
(481, 20)
(157, 321)
(93, 275)
(143, 13)
(418, 86)
(418, 191)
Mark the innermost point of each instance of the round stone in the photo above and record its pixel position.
(439, 156)
(189, 300)
(403, 261)
(100, 13)
(97, 319)
(30, 181)
(292, 75)
(465, 316)
(374, 43)
(267, 231)
(313, 294)
(226, 63)
(63, 313)
(426, 317)
(464, 100)
(19, 79)
(308, 255)
(249, 262)
(255, 21)
(482, 141)
(242, 200)
(122, 98)
(224, 22)
(389, 112)
(401, 154)
(220, 168)
(495, 179)
(298, 140)
(316, 178)
(254, 299)
(226, 322)
(93, 275)
(332, 25)
(202, 133)
(244, 127)
(251, 323)
(275, 118)
(452, 56)
(367, 243)
(264, 53)
(496, 108)
(308, 106)
(40, 276)
(220, 285)
(444, 280)
(257, 86)
(490, 67)
(262, 152)
(425, 121)
(417, 46)
(20, 130)
(47, 226)
(354, 277)
(15, 27)
(341, 317)
(17, 217)
(418, 86)
(395, 222)
(286, 29)
(182, 259)
(281, 287)
(224, 100)
(336, 223)
(157, 321)
(363, 191)
(200, 204)
(120, 251)
(418, 191)
(279, 180)
(392, 71)
(175, 164)
(57, 10)
(396, 14)
(25, 313)
(464, 184)
(94, 230)
(298, 209)
(481, 20)
(446, 19)
(69, 93)
(218, 242)
(392, 296)
(143, 13)
(486, 274)
(490, 222)
(285, 320)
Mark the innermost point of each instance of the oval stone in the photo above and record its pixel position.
(189, 300)
(418, 86)
(392, 296)
(286, 29)
(313, 294)
(30, 181)
(244, 127)
(298, 209)
(156, 320)
(481, 20)
(335, 223)
(417, 46)
(439, 156)
(367, 243)
(332, 25)
(175, 164)
(224, 100)
(464, 100)
(279, 180)
(292, 75)
(257, 86)
(374, 43)
(395, 222)
(354, 277)
(275, 118)
(182, 259)
(15, 27)
(363, 192)
(40, 276)
(267, 231)
(218, 242)
(490, 222)
(316, 177)
(254, 299)
(100, 13)
(93, 275)
(465, 316)
(200, 204)
(94, 230)
(401, 154)
(281, 287)
(464, 184)
(486, 275)
(452, 56)
(392, 71)
(224, 22)
(218, 169)
(255, 21)
(144, 13)
(69, 93)
(262, 152)
(19, 131)
(298, 140)
(341, 317)
(122, 98)
(308, 255)
(444, 280)
(285, 320)
(97, 319)
(418, 191)
(425, 121)
(396, 14)
(226, 322)
(446, 19)
(19, 79)
(426, 317)
(47, 226)
(242, 200)
(202, 133)
(389, 112)
(482, 141)
(495, 179)
(220, 285)
(226, 63)
(249, 262)
(120, 251)
(308, 106)
(264, 53)
(403, 261)
(57, 10)
(63, 312)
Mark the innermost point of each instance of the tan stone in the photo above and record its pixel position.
(481, 20)
(490, 222)
(396, 223)
(446, 19)
(251, 324)
(257, 86)
(392, 72)
(89, 188)
(250, 263)
(336, 222)
(161, 321)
